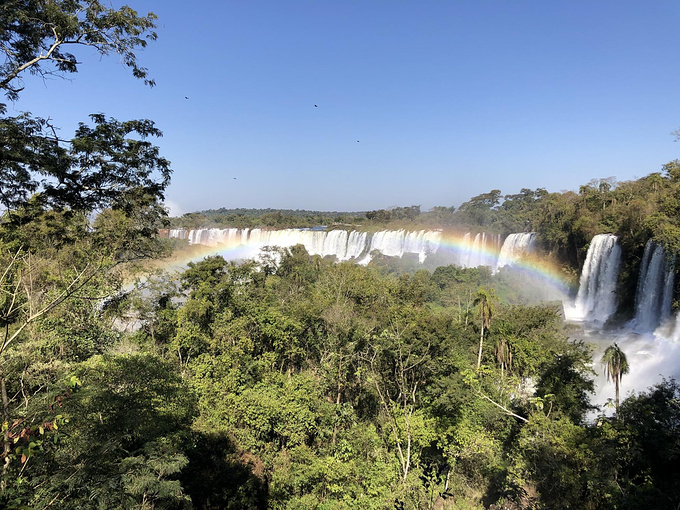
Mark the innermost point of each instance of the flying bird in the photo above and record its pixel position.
(315, 106)
(185, 97)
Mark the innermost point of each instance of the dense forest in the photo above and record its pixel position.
(292, 381)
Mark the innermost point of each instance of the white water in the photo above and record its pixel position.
(476, 250)
(515, 247)
(651, 357)
(654, 289)
(480, 251)
(651, 341)
(396, 243)
(596, 299)
(341, 244)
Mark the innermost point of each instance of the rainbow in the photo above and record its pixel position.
(453, 244)
(193, 253)
(538, 267)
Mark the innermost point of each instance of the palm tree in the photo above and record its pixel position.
(503, 355)
(615, 366)
(483, 301)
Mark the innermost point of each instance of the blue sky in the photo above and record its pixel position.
(427, 102)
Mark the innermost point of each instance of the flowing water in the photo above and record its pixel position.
(651, 340)
(515, 247)
(654, 289)
(596, 299)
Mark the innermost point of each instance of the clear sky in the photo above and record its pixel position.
(418, 102)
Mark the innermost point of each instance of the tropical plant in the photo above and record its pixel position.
(616, 366)
(484, 303)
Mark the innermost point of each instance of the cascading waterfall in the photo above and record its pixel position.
(465, 251)
(177, 233)
(475, 250)
(654, 289)
(480, 251)
(596, 299)
(514, 247)
(341, 244)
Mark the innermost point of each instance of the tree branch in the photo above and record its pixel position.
(47, 56)
(73, 287)
(505, 409)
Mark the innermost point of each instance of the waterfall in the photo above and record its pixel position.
(341, 244)
(596, 299)
(479, 251)
(465, 251)
(178, 233)
(514, 247)
(654, 289)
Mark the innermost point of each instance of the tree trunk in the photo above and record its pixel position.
(337, 400)
(481, 342)
(616, 384)
(5, 435)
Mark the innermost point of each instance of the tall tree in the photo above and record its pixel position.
(53, 255)
(616, 366)
(484, 303)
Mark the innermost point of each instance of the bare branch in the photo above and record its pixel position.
(78, 282)
(505, 409)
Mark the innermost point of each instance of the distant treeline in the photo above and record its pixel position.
(301, 218)
(277, 218)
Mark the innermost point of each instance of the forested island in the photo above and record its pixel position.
(291, 380)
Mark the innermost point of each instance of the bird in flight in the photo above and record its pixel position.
(315, 106)
(185, 97)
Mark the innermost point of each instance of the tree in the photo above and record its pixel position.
(478, 210)
(399, 363)
(35, 35)
(484, 303)
(73, 210)
(109, 165)
(648, 453)
(122, 445)
(616, 366)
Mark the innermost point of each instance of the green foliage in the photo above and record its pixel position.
(276, 218)
(616, 366)
(649, 445)
(552, 464)
(36, 35)
(120, 445)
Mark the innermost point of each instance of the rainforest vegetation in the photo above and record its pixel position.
(292, 381)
